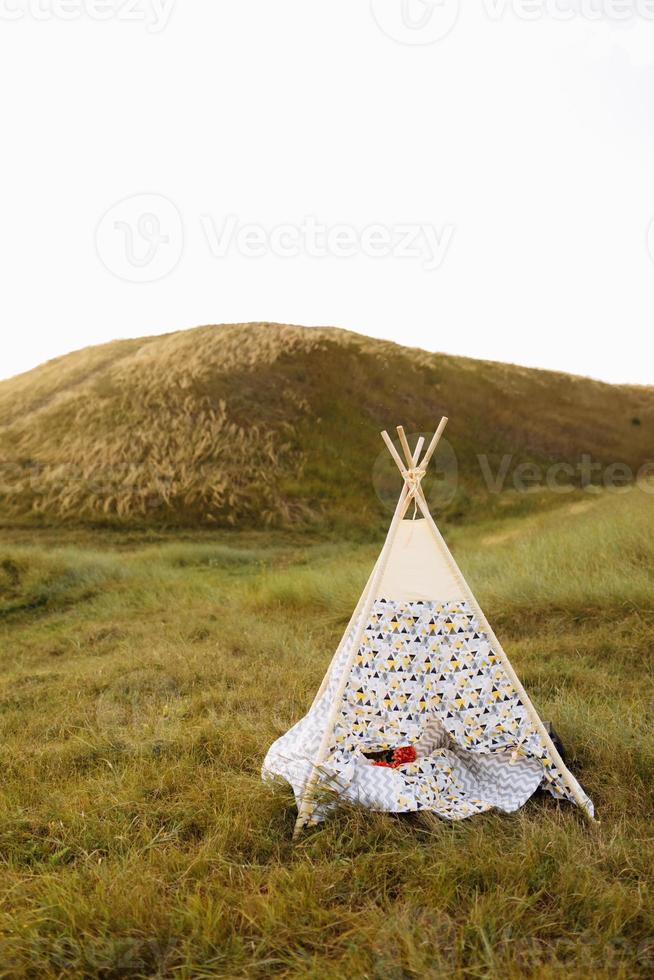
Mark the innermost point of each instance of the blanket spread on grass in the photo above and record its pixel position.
(424, 674)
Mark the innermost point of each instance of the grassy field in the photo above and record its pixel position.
(143, 676)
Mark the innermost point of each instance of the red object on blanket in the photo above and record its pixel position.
(406, 754)
(401, 757)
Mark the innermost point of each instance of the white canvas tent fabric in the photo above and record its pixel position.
(419, 665)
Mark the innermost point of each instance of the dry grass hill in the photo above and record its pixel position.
(265, 424)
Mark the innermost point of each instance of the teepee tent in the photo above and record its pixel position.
(420, 708)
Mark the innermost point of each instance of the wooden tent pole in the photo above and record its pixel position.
(394, 453)
(567, 776)
(363, 609)
(408, 455)
(424, 463)
(307, 804)
(412, 459)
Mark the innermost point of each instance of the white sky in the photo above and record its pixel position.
(516, 152)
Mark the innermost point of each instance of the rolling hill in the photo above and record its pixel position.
(266, 424)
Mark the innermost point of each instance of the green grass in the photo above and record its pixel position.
(142, 680)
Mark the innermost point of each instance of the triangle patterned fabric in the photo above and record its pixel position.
(420, 667)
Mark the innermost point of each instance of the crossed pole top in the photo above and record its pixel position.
(415, 468)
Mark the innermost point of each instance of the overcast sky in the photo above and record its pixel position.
(478, 180)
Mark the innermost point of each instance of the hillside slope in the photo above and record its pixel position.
(263, 423)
